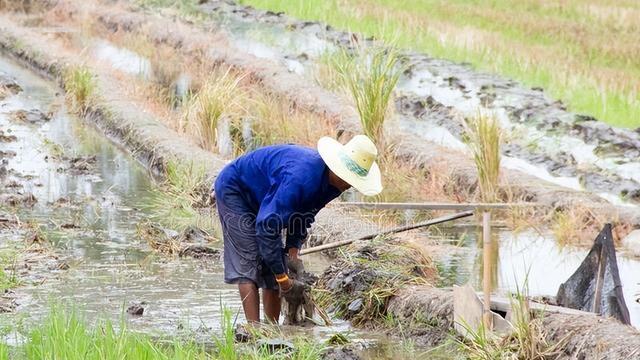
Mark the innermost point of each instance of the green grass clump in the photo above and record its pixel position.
(185, 7)
(484, 138)
(8, 271)
(181, 200)
(80, 86)
(66, 335)
(371, 78)
(219, 96)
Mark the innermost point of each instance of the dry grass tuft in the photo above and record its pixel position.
(275, 121)
(528, 339)
(26, 6)
(158, 238)
(577, 225)
(219, 96)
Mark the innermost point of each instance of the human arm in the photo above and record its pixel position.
(275, 211)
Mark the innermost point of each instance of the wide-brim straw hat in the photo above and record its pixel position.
(354, 162)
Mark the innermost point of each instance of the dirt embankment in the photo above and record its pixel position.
(278, 79)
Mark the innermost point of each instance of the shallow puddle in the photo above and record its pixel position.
(527, 257)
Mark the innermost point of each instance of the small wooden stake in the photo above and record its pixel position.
(487, 318)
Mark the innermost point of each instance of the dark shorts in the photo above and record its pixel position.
(242, 261)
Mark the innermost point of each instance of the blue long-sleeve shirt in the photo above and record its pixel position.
(286, 186)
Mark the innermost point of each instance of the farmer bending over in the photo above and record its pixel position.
(283, 187)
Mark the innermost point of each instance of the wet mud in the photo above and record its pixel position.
(8, 86)
(192, 242)
(33, 116)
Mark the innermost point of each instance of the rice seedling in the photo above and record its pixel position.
(483, 136)
(80, 86)
(371, 76)
(219, 96)
(326, 72)
(182, 200)
(8, 270)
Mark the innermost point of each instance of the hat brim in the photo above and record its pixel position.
(369, 185)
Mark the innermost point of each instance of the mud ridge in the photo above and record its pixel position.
(426, 314)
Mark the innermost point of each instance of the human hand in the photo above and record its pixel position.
(293, 292)
(295, 266)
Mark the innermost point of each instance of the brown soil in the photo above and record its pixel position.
(5, 137)
(32, 116)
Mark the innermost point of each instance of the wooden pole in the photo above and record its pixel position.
(433, 205)
(487, 318)
(435, 221)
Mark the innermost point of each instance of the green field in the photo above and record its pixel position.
(584, 52)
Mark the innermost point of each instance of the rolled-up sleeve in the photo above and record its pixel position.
(275, 212)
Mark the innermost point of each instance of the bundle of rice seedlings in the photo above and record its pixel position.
(182, 200)
(80, 86)
(371, 77)
(484, 137)
(219, 96)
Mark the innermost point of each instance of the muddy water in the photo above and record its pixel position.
(543, 139)
(528, 257)
(110, 266)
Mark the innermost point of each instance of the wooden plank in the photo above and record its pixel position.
(432, 205)
(487, 318)
(503, 304)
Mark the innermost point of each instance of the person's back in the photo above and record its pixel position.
(259, 172)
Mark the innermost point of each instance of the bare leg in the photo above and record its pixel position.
(271, 302)
(250, 301)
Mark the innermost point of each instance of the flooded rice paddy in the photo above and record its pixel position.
(90, 215)
(543, 139)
